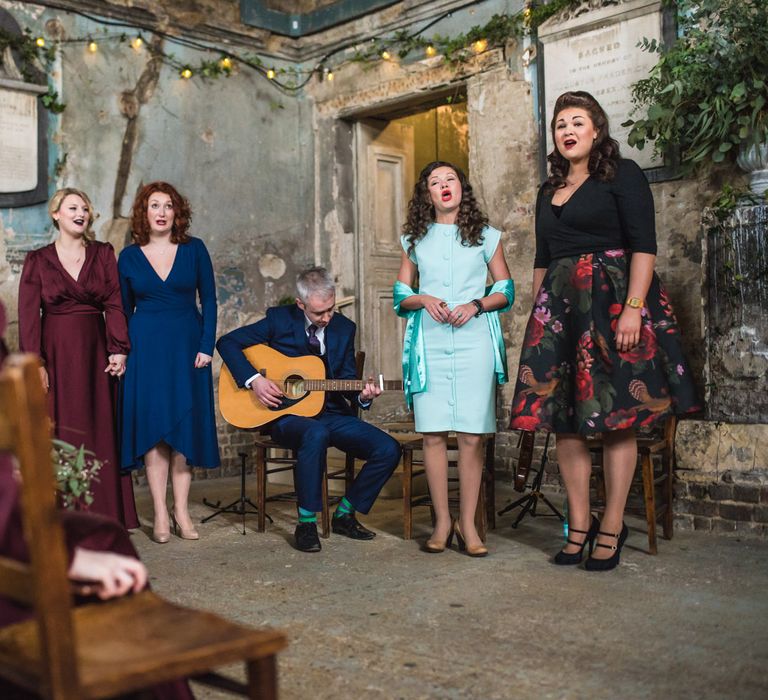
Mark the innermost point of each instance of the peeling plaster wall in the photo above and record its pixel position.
(240, 151)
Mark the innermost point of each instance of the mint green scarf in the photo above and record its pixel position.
(414, 361)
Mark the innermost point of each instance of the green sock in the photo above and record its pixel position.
(344, 508)
(307, 516)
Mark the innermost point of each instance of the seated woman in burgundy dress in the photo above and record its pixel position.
(70, 313)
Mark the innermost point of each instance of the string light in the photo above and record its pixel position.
(271, 74)
(225, 63)
(93, 47)
(330, 75)
(137, 43)
(386, 55)
(186, 73)
(480, 45)
(40, 42)
(430, 51)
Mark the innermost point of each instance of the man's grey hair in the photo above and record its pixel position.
(314, 281)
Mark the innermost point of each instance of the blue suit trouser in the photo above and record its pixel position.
(311, 438)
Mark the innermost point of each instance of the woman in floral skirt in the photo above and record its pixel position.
(602, 349)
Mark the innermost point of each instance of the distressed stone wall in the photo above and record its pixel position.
(236, 147)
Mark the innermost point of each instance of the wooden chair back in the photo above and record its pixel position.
(61, 653)
(25, 432)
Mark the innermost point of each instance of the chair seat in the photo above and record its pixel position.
(125, 645)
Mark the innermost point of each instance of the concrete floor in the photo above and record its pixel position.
(382, 619)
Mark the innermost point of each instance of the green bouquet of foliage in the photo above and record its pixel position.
(707, 95)
(75, 468)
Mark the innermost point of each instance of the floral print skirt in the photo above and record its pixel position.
(571, 377)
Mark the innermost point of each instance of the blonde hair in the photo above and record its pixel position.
(54, 204)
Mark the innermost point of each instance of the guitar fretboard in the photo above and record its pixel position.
(347, 385)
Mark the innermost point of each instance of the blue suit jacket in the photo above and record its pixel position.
(283, 330)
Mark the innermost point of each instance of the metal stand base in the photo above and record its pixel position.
(238, 507)
(530, 501)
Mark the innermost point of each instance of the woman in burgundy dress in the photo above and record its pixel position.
(70, 313)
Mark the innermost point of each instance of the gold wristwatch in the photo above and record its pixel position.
(635, 303)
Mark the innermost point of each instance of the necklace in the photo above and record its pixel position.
(68, 257)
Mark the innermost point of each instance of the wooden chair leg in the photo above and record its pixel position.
(650, 500)
(667, 463)
(490, 482)
(262, 679)
(481, 521)
(324, 517)
(407, 493)
(261, 488)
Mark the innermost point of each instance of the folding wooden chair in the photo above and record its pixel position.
(99, 650)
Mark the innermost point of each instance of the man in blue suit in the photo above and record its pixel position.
(310, 326)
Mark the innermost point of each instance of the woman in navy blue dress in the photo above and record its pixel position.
(167, 403)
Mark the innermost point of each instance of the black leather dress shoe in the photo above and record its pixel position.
(348, 526)
(306, 537)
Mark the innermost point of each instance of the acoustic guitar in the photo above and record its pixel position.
(301, 379)
(524, 459)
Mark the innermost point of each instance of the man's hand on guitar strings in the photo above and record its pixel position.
(267, 392)
(370, 391)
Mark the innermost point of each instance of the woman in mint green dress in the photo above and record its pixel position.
(453, 354)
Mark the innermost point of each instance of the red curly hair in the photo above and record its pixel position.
(182, 214)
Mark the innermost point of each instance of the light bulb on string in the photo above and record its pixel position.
(186, 73)
(40, 42)
(271, 74)
(430, 51)
(137, 43)
(93, 47)
(480, 45)
(329, 77)
(225, 63)
(386, 55)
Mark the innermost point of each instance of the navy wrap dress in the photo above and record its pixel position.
(165, 398)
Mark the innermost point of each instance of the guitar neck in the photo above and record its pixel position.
(348, 385)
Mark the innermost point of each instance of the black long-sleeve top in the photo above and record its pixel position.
(599, 216)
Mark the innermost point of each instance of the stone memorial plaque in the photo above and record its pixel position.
(597, 51)
(18, 141)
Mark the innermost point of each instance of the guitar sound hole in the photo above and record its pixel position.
(294, 387)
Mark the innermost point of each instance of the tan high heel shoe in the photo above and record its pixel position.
(434, 547)
(160, 536)
(190, 534)
(473, 550)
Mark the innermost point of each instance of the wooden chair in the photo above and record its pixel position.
(485, 517)
(656, 458)
(267, 453)
(99, 650)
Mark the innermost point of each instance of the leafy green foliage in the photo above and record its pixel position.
(460, 49)
(707, 95)
(75, 468)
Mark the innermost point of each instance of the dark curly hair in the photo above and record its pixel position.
(604, 157)
(421, 213)
(182, 214)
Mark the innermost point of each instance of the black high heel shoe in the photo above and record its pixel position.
(570, 559)
(611, 562)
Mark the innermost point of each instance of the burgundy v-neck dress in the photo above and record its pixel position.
(74, 325)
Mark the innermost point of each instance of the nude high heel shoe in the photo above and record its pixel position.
(160, 536)
(479, 550)
(190, 534)
(435, 547)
